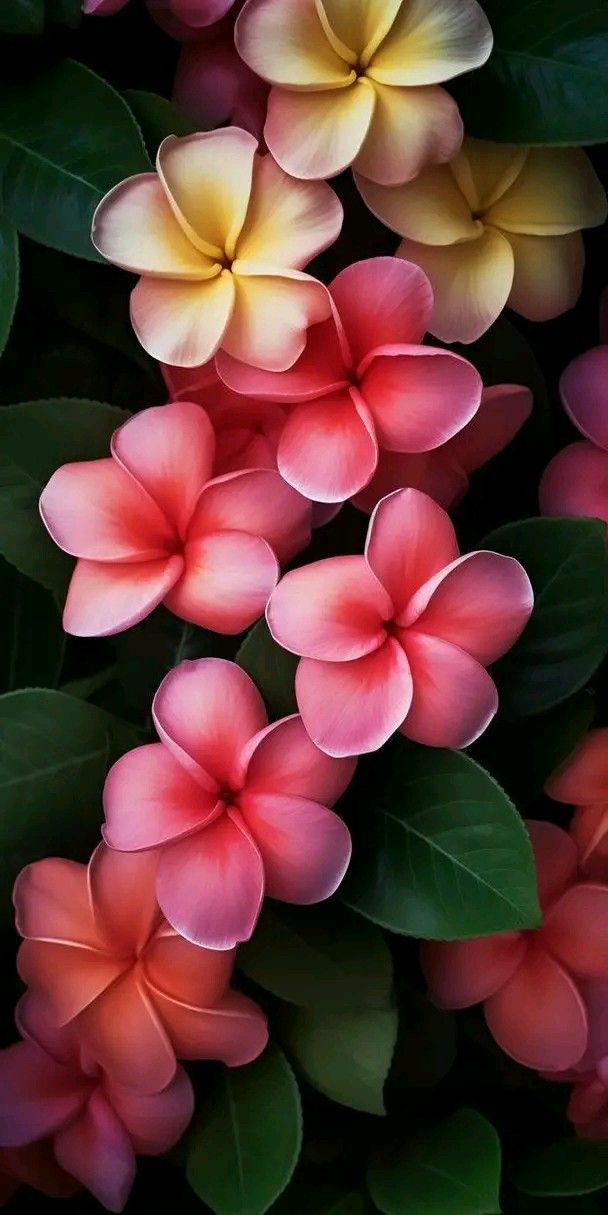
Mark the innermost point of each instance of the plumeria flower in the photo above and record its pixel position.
(35, 1166)
(399, 639)
(219, 236)
(588, 1104)
(532, 984)
(149, 526)
(444, 472)
(97, 954)
(356, 81)
(214, 85)
(236, 808)
(364, 382)
(582, 781)
(52, 1091)
(497, 226)
(185, 16)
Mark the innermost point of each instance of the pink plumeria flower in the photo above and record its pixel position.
(149, 526)
(236, 808)
(533, 984)
(444, 472)
(51, 1090)
(214, 85)
(181, 18)
(364, 382)
(582, 782)
(399, 639)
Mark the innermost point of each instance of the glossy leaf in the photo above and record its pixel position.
(147, 652)
(9, 278)
(345, 1055)
(157, 117)
(272, 668)
(22, 17)
(566, 1167)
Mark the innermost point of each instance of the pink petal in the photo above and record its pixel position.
(185, 972)
(123, 894)
(304, 846)
(149, 799)
(454, 698)
(575, 482)
(430, 471)
(595, 995)
(352, 707)
(318, 133)
(283, 759)
(205, 712)
(319, 370)
(34, 1020)
(169, 450)
(575, 930)
(583, 778)
(211, 885)
(410, 129)
(419, 396)
(504, 409)
(227, 580)
(327, 449)
(588, 828)
(214, 85)
(52, 903)
(154, 1121)
(461, 973)
(538, 1017)
(105, 597)
(37, 1094)
(333, 609)
(96, 510)
(410, 538)
(200, 13)
(140, 1055)
(260, 503)
(233, 1032)
(555, 859)
(381, 301)
(67, 977)
(96, 1149)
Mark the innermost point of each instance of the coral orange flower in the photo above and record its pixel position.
(400, 638)
(219, 236)
(582, 781)
(149, 526)
(532, 984)
(99, 956)
(356, 81)
(363, 382)
(237, 808)
(499, 225)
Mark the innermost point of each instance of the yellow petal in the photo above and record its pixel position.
(556, 192)
(135, 228)
(548, 274)
(430, 209)
(471, 283)
(432, 40)
(207, 180)
(285, 43)
(484, 170)
(316, 135)
(288, 221)
(410, 128)
(182, 323)
(271, 316)
(356, 28)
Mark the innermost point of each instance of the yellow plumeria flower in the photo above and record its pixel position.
(498, 225)
(357, 81)
(219, 236)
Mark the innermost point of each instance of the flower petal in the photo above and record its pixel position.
(37, 1094)
(409, 129)
(319, 370)
(410, 538)
(333, 609)
(185, 972)
(283, 759)
(211, 885)
(96, 1149)
(589, 828)
(419, 396)
(94, 509)
(461, 973)
(381, 301)
(431, 209)
(548, 274)
(575, 482)
(288, 222)
(123, 895)
(272, 312)
(226, 583)
(257, 501)
(583, 778)
(454, 698)
(214, 85)
(108, 597)
(430, 471)
(584, 392)
(52, 903)
(504, 409)
(209, 206)
(538, 1017)
(556, 192)
(154, 1121)
(182, 323)
(554, 857)
(135, 228)
(575, 930)
(141, 1055)
(353, 707)
(233, 1032)
(471, 283)
(327, 449)
(319, 134)
(484, 171)
(304, 846)
(149, 799)
(428, 42)
(286, 44)
(67, 977)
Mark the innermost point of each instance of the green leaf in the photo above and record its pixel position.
(33, 640)
(54, 755)
(22, 17)
(451, 1169)
(149, 651)
(9, 278)
(272, 669)
(567, 1167)
(64, 12)
(567, 636)
(158, 117)
(439, 851)
(318, 1200)
(246, 1142)
(66, 137)
(35, 439)
(345, 1055)
(320, 957)
(545, 82)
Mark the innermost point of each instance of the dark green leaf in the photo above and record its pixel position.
(319, 957)
(158, 117)
(66, 137)
(451, 1169)
(568, 1167)
(439, 851)
(272, 669)
(545, 82)
(426, 1046)
(246, 1142)
(33, 640)
(567, 636)
(22, 17)
(35, 439)
(302, 1199)
(9, 278)
(64, 12)
(149, 651)
(345, 1055)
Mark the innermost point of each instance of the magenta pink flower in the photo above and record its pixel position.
(180, 18)
(148, 526)
(50, 1090)
(215, 86)
(237, 808)
(582, 782)
(533, 984)
(400, 638)
(363, 382)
